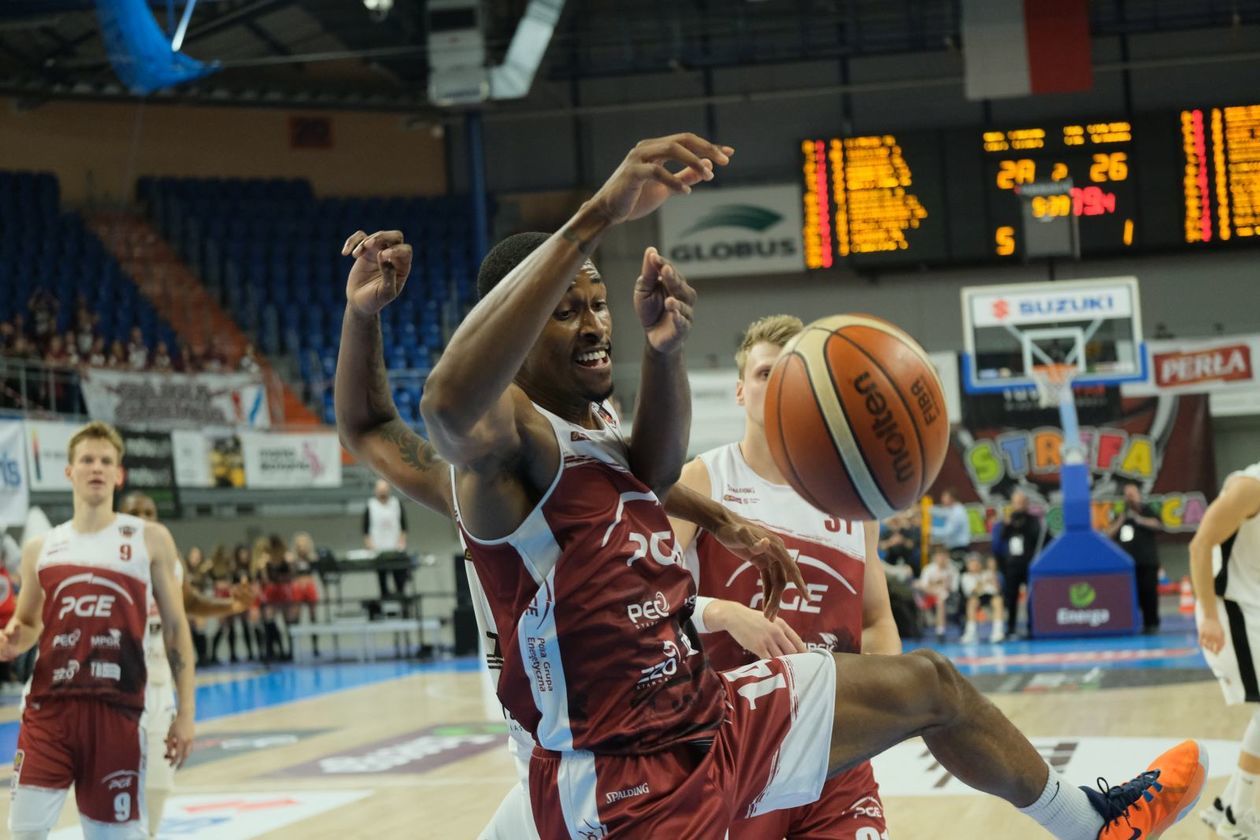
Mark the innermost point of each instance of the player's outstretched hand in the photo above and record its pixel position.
(1211, 634)
(382, 262)
(664, 301)
(767, 552)
(179, 741)
(758, 635)
(642, 182)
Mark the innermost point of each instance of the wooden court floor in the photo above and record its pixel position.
(455, 799)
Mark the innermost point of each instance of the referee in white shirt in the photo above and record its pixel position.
(385, 529)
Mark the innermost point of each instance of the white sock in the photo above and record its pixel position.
(1227, 795)
(1243, 797)
(1065, 811)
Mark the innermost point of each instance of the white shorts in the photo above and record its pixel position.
(159, 711)
(1236, 666)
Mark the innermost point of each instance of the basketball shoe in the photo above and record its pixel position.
(1144, 808)
(1213, 814)
(1244, 827)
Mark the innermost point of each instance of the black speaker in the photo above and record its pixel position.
(463, 595)
(465, 630)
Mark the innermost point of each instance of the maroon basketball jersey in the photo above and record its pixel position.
(96, 588)
(831, 554)
(588, 597)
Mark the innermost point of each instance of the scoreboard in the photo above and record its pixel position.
(1189, 179)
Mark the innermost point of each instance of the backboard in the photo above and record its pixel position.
(1013, 333)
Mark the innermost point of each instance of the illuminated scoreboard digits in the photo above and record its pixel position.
(1221, 181)
(1092, 162)
(861, 202)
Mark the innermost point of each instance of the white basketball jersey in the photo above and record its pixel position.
(831, 553)
(1236, 562)
(154, 645)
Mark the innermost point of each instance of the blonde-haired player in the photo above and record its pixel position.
(84, 603)
(1225, 567)
(160, 706)
(844, 607)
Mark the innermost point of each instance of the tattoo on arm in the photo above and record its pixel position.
(176, 659)
(415, 451)
(585, 246)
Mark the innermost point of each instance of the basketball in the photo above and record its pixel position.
(855, 417)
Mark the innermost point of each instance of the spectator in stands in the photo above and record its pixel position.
(1016, 544)
(43, 306)
(72, 348)
(212, 360)
(19, 325)
(248, 362)
(96, 356)
(1135, 529)
(137, 350)
(385, 529)
(185, 359)
(981, 587)
(7, 334)
(196, 568)
(955, 530)
(937, 583)
(117, 355)
(899, 541)
(56, 354)
(162, 358)
(24, 348)
(305, 590)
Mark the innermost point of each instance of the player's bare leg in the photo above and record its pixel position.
(881, 701)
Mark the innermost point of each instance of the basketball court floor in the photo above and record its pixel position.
(402, 750)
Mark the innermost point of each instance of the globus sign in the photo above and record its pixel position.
(725, 232)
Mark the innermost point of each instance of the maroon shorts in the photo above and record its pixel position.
(849, 809)
(97, 747)
(769, 752)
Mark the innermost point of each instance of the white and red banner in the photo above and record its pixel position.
(291, 460)
(1224, 367)
(1024, 47)
(15, 489)
(176, 400)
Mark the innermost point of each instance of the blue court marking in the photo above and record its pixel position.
(287, 684)
(1175, 646)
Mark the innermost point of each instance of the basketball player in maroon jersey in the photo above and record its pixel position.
(636, 736)
(84, 604)
(844, 607)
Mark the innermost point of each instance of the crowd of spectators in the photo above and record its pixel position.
(33, 336)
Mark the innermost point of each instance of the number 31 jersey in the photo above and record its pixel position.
(831, 554)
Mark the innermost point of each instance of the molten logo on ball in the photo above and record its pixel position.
(886, 428)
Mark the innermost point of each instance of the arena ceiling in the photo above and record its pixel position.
(336, 53)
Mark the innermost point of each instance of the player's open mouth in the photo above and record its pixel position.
(593, 359)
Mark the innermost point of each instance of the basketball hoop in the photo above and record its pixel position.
(1053, 381)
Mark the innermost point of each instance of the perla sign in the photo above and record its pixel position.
(725, 232)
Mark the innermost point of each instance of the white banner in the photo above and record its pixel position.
(291, 460)
(1065, 301)
(725, 232)
(47, 453)
(716, 419)
(946, 364)
(176, 400)
(191, 451)
(1219, 366)
(15, 491)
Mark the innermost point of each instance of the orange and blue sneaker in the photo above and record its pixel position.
(1147, 806)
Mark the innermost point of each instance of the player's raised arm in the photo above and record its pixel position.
(177, 637)
(367, 419)
(1239, 500)
(468, 409)
(27, 622)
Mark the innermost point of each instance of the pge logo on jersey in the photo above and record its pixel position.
(649, 612)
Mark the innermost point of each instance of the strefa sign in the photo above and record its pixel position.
(725, 232)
